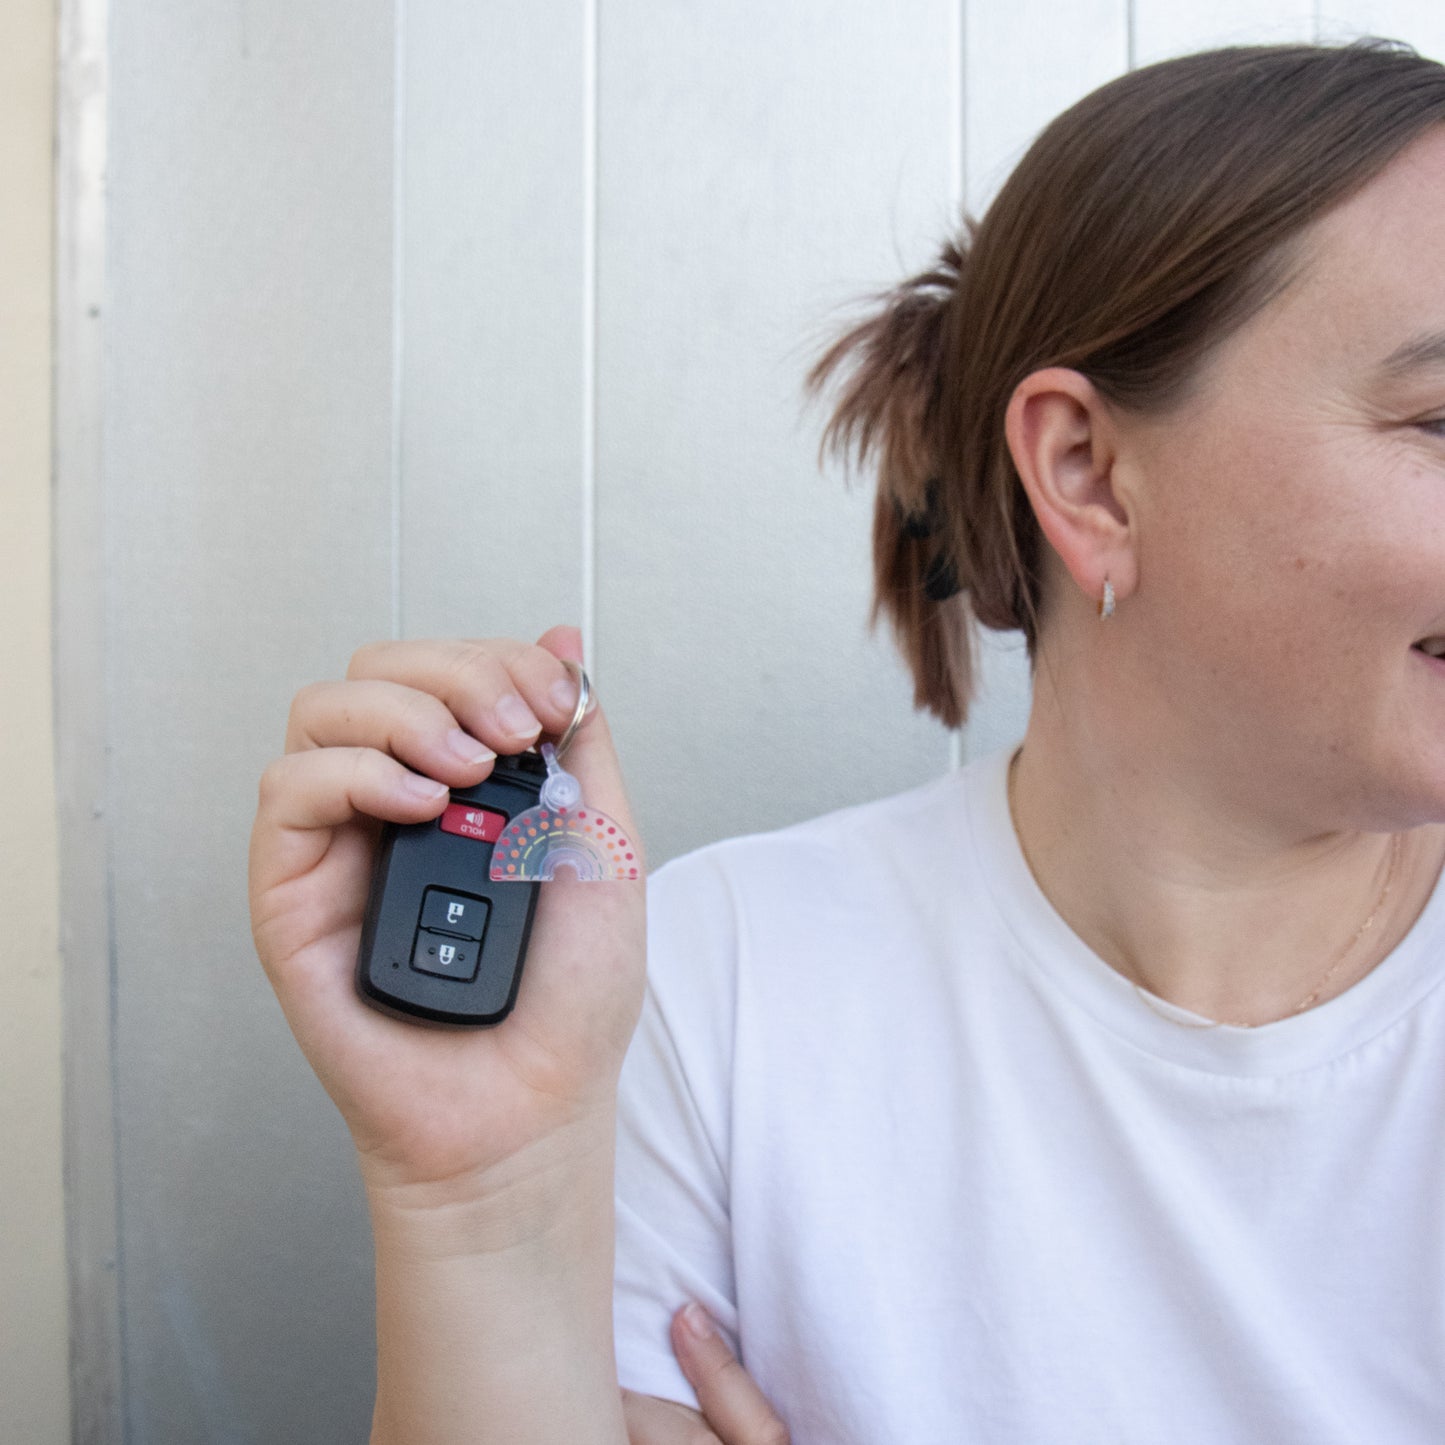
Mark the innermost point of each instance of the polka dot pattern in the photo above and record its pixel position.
(544, 843)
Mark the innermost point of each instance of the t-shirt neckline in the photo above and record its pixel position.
(1070, 967)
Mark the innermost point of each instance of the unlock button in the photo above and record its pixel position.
(454, 913)
(445, 956)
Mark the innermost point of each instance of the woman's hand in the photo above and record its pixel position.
(734, 1409)
(443, 1115)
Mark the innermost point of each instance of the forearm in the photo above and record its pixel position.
(494, 1319)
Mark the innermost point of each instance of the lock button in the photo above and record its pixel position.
(454, 913)
(445, 956)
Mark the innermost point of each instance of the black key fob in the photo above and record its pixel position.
(441, 941)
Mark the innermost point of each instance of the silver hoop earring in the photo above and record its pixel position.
(1106, 602)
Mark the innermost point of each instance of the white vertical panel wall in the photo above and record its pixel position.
(491, 326)
(248, 503)
(1162, 29)
(757, 165)
(1420, 22)
(458, 319)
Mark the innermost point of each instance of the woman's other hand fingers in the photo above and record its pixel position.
(735, 1409)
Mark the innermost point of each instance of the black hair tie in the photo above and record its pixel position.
(940, 581)
(924, 524)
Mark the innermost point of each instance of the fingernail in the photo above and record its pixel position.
(467, 748)
(516, 717)
(698, 1325)
(424, 788)
(563, 693)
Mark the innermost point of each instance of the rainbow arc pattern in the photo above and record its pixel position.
(546, 843)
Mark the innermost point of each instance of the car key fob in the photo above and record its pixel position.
(440, 940)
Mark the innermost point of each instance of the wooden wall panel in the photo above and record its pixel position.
(1421, 23)
(248, 510)
(1013, 85)
(491, 484)
(1163, 27)
(758, 165)
(757, 168)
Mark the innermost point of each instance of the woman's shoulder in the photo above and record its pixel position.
(850, 851)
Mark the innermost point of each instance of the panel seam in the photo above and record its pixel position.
(588, 478)
(398, 300)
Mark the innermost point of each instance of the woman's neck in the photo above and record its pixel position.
(1201, 903)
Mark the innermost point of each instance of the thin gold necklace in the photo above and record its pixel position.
(1319, 988)
(1304, 1003)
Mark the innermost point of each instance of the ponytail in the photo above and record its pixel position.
(890, 369)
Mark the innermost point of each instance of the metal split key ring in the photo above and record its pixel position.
(584, 701)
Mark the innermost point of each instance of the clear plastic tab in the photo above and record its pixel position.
(562, 837)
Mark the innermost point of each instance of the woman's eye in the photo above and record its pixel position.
(1436, 428)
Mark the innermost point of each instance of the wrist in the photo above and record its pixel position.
(550, 1187)
(494, 1301)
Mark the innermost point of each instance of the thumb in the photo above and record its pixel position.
(563, 642)
(592, 755)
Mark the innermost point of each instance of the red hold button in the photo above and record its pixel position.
(470, 821)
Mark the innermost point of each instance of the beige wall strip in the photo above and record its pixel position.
(34, 1385)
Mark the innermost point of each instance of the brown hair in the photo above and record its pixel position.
(1144, 225)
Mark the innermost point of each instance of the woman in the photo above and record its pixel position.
(1096, 1092)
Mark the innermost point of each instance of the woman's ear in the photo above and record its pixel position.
(1063, 439)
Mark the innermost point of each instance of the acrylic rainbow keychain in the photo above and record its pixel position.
(562, 835)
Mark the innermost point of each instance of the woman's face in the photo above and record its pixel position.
(1291, 525)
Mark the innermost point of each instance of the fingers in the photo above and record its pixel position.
(413, 726)
(734, 1406)
(503, 693)
(414, 716)
(330, 786)
(305, 795)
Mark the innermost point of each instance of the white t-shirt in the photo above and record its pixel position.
(945, 1178)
